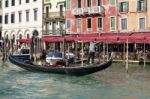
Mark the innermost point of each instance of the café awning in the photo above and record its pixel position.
(28, 40)
(138, 37)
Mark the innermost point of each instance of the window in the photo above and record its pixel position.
(142, 23)
(13, 2)
(123, 6)
(68, 24)
(99, 24)
(124, 23)
(12, 18)
(19, 2)
(27, 1)
(141, 5)
(68, 4)
(20, 16)
(47, 11)
(61, 27)
(113, 23)
(6, 19)
(6, 3)
(47, 27)
(0, 19)
(0, 4)
(112, 2)
(79, 4)
(89, 23)
(35, 14)
(99, 2)
(79, 25)
(88, 3)
(27, 15)
(61, 10)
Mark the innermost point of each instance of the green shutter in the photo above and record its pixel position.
(119, 7)
(145, 5)
(138, 5)
(127, 5)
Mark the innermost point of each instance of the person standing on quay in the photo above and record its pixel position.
(91, 52)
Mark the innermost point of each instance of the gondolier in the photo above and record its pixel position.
(91, 52)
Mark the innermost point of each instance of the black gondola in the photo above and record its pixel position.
(20, 60)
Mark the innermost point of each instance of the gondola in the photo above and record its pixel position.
(21, 61)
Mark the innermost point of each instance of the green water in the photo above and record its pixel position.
(113, 83)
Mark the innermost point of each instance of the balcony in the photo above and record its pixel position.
(77, 11)
(57, 32)
(88, 10)
(54, 15)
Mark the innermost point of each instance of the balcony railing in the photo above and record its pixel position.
(54, 15)
(88, 10)
(58, 32)
(77, 11)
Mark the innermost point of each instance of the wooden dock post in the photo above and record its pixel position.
(127, 60)
(144, 55)
(82, 54)
(103, 51)
(107, 52)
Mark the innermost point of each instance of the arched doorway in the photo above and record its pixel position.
(35, 33)
(28, 36)
(35, 45)
(20, 36)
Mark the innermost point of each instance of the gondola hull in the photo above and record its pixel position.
(75, 70)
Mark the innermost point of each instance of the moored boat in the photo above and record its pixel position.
(53, 58)
(78, 70)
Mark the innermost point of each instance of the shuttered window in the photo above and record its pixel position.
(112, 23)
(141, 5)
(99, 22)
(123, 6)
(68, 4)
(79, 3)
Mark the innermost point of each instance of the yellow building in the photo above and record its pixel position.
(133, 15)
(54, 17)
(53, 22)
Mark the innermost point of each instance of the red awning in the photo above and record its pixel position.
(108, 38)
(137, 37)
(99, 37)
(85, 39)
(24, 40)
(89, 35)
(52, 39)
(70, 38)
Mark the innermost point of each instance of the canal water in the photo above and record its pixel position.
(112, 83)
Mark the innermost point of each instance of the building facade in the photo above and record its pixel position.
(91, 16)
(1, 19)
(54, 17)
(21, 19)
(133, 15)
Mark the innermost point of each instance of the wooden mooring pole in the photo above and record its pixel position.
(82, 54)
(127, 59)
(144, 55)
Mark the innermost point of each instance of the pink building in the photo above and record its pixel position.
(91, 16)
